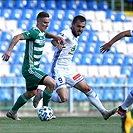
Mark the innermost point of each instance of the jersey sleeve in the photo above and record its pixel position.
(63, 34)
(30, 34)
(131, 32)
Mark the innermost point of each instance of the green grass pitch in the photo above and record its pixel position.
(61, 125)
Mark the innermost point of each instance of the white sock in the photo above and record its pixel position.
(128, 101)
(94, 100)
(55, 97)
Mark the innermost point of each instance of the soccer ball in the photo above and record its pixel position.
(45, 113)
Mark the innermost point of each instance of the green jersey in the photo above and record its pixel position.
(35, 41)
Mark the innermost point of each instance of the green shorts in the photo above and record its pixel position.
(33, 77)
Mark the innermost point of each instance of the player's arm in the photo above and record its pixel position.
(14, 41)
(57, 40)
(106, 47)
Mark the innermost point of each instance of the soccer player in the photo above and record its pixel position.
(64, 73)
(122, 109)
(35, 41)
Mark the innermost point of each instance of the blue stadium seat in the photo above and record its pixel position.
(110, 81)
(103, 5)
(77, 58)
(9, 4)
(27, 14)
(44, 60)
(110, 15)
(35, 13)
(96, 59)
(71, 5)
(4, 46)
(126, 70)
(16, 14)
(16, 69)
(90, 48)
(121, 80)
(7, 80)
(30, 4)
(61, 4)
(128, 60)
(93, 5)
(120, 16)
(81, 47)
(19, 4)
(6, 13)
(5, 94)
(93, 37)
(40, 4)
(89, 80)
(107, 59)
(76, 95)
(50, 4)
(82, 5)
(69, 15)
(22, 47)
(6, 36)
(98, 45)
(99, 80)
(107, 94)
(118, 94)
(20, 80)
(86, 59)
(19, 58)
(47, 68)
(58, 15)
(23, 24)
(118, 59)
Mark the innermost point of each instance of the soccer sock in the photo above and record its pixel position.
(19, 103)
(55, 97)
(46, 97)
(94, 100)
(128, 101)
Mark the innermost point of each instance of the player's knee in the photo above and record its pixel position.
(30, 94)
(64, 98)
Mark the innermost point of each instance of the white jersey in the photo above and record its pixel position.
(63, 57)
(62, 70)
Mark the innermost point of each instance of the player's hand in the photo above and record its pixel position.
(6, 56)
(105, 48)
(60, 40)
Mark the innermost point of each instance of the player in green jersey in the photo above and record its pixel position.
(35, 41)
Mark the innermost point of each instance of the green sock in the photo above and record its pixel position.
(46, 97)
(132, 113)
(19, 103)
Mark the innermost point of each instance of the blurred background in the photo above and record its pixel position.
(109, 74)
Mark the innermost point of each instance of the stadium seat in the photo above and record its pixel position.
(7, 80)
(86, 59)
(6, 36)
(107, 94)
(82, 5)
(4, 46)
(44, 60)
(16, 69)
(6, 13)
(6, 95)
(58, 15)
(121, 80)
(118, 59)
(19, 58)
(40, 4)
(89, 80)
(23, 24)
(19, 4)
(103, 5)
(128, 60)
(118, 94)
(120, 16)
(98, 45)
(93, 37)
(50, 4)
(81, 47)
(104, 70)
(69, 15)
(110, 15)
(20, 81)
(90, 47)
(71, 5)
(35, 13)
(96, 59)
(99, 80)
(16, 14)
(107, 59)
(61, 4)
(110, 81)
(27, 14)
(92, 5)
(126, 70)
(77, 58)
(31, 4)
(9, 4)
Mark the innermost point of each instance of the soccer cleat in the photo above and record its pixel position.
(120, 111)
(12, 115)
(37, 98)
(127, 121)
(109, 113)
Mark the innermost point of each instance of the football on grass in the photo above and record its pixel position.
(45, 113)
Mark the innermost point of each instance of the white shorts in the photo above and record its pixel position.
(64, 76)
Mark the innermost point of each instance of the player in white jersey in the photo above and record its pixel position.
(105, 48)
(63, 72)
